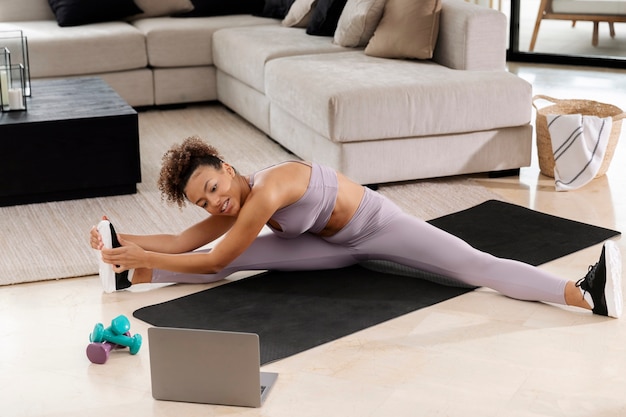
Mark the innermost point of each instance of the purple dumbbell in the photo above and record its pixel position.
(98, 352)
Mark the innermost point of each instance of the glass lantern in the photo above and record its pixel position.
(12, 88)
(17, 44)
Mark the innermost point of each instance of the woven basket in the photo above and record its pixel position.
(584, 107)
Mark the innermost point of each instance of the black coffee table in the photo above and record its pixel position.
(77, 139)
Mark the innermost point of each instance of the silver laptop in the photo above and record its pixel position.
(207, 366)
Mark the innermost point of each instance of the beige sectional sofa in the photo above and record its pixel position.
(376, 119)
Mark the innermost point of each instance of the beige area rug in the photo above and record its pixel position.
(50, 240)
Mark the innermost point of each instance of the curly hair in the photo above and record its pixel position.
(180, 162)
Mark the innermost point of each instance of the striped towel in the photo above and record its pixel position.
(579, 143)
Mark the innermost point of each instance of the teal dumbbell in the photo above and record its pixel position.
(117, 333)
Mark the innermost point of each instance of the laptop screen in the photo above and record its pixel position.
(205, 366)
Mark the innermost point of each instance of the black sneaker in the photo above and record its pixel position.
(111, 281)
(604, 282)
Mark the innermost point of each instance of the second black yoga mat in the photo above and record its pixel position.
(515, 232)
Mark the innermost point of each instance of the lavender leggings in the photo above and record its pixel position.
(379, 230)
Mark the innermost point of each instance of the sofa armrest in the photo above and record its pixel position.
(471, 37)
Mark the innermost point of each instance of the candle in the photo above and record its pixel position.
(4, 86)
(16, 99)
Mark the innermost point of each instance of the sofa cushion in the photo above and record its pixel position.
(25, 10)
(325, 17)
(243, 52)
(350, 96)
(408, 29)
(100, 47)
(203, 8)
(154, 8)
(165, 35)
(299, 14)
(81, 12)
(276, 9)
(358, 21)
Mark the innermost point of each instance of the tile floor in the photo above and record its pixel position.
(476, 355)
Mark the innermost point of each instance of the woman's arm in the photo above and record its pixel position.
(270, 193)
(253, 216)
(194, 237)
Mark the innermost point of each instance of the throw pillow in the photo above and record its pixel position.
(358, 21)
(408, 29)
(276, 9)
(154, 8)
(223, 8)
(81, 12)
(299, 13)
(325, 17)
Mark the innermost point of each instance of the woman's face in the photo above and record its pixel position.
(214, 190)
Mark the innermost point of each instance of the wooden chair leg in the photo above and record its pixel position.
(594, 38)
(533, 39)
(612, 29)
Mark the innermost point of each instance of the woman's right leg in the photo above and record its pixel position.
(270, 252)
(381, 231)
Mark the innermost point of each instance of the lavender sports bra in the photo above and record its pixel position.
(312, 211)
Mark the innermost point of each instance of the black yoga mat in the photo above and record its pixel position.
(295, 311)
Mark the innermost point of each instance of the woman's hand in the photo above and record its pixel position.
(128, 256)
(95, 239)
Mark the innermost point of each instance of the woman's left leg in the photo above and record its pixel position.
(412, 242)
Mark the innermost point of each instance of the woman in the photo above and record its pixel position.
(320, 219)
